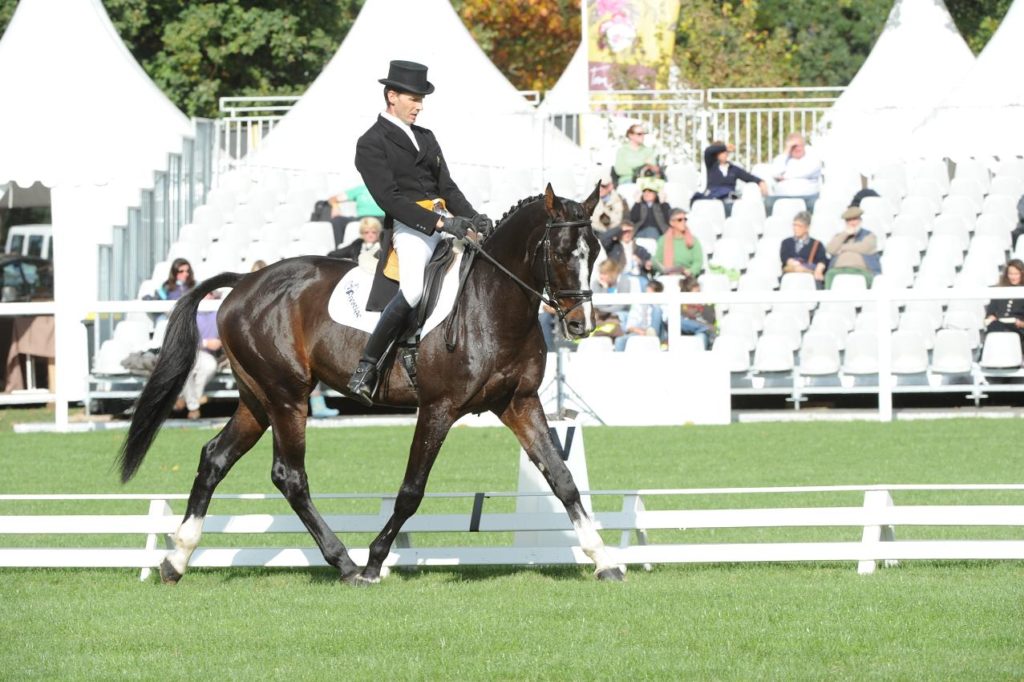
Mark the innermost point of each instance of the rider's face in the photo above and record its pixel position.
(405, 106)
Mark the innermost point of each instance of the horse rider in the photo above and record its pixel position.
(405, 171)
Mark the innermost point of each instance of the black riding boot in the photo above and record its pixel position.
(393, 321)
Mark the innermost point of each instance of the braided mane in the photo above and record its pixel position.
(519, 204)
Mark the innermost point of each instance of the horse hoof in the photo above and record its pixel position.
(614, 574)
(360, 580)
(169, 574)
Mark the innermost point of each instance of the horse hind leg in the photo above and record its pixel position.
(525, 417)
(240, 434)
(289, 476)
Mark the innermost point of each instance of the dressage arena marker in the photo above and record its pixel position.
(878, 517)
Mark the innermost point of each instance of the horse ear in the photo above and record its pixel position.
(590, 202)
(549, 199)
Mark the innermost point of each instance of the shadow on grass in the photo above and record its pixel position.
(444, 574)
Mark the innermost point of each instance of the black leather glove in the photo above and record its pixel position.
(482, 224)
(457, 226)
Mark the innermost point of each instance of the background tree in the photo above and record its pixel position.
(719, 44)
(978, 19)
(531, 41)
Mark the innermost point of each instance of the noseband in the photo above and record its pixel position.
(548, 296)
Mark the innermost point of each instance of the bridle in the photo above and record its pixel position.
(548, 296)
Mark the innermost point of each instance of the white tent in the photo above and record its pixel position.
(571, 94)
(480, 119)
(85, 120)
(919, 53)
(981, 114)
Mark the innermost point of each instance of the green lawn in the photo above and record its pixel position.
(924, 620)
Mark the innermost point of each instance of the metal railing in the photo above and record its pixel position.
(684, 121)
(152, 226)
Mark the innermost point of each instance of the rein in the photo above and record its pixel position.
(580, 295)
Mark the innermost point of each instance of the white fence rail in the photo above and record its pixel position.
(877, 519)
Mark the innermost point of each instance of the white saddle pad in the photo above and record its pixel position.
(347, 305)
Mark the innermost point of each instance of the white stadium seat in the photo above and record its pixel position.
(740, 327)
(642, 344)
(909, 353)
(952, 354)
(1001, 351)
(819, 354)
(596, 344)
(861, 355)
(784, 325)
(733, 349)
(787, 207)
(773, 354)
(921, 324)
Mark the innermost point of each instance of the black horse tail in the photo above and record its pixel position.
(177, 356)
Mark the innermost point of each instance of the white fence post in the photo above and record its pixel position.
(876, 499)
(157, 508)
(632, 505)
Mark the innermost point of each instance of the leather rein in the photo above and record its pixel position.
(547, 296)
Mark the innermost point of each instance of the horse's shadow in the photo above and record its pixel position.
(452, 574)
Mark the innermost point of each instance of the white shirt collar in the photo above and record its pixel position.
(404, 126)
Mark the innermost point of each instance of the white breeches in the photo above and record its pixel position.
(414, 251)
(205, 367)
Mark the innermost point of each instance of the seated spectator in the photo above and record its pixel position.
(644, 319)
(634, 159)
(853, 250)
(650, 213)
(365, 250)
(633, 259)
(207, 356)
(797, 173)
(611, 207)
(696, 319)
(802, 252)
(611, 280)
(722, 176)
(179, 282)
(365, 206)
(679, 252)
(1007, 314)
(1019, 230)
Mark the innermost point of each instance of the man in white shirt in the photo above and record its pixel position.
(797, 173)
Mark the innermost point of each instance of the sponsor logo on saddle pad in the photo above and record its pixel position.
(348, 302)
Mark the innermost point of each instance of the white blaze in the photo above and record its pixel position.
(582, 253)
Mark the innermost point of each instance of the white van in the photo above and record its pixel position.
(30, 240)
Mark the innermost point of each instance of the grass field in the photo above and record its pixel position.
(924, 620)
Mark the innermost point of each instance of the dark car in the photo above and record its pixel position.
(25, 278)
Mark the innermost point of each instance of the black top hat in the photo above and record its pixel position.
(408, 77)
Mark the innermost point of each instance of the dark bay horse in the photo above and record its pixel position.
(280, 341)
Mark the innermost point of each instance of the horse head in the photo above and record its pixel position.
(569, 249)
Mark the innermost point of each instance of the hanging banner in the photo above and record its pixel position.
(630, 43)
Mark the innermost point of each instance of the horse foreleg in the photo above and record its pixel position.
(525, 417)
(289, 475)
(218, 456)
(431, 428)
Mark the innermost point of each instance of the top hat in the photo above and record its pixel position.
(408, 77)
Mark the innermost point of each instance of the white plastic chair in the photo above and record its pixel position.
(952, 354)
(819, 354)
(931, 170)
(961, 320)
(1009, 185)
(909, 353)
(971, 170)
(861, 355)
(730, 253)
(643, 344)
(773, 354)
(733, 349)
(787, 207)
(597, 344)
(785, 325)
(741, 327)
(835, 325)
(1001, 351)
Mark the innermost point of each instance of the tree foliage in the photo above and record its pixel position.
(978, 19)
(198, 51)
(719, 44)
(531, 41)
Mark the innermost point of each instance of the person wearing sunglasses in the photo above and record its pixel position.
(634, 158)
(179, 282)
